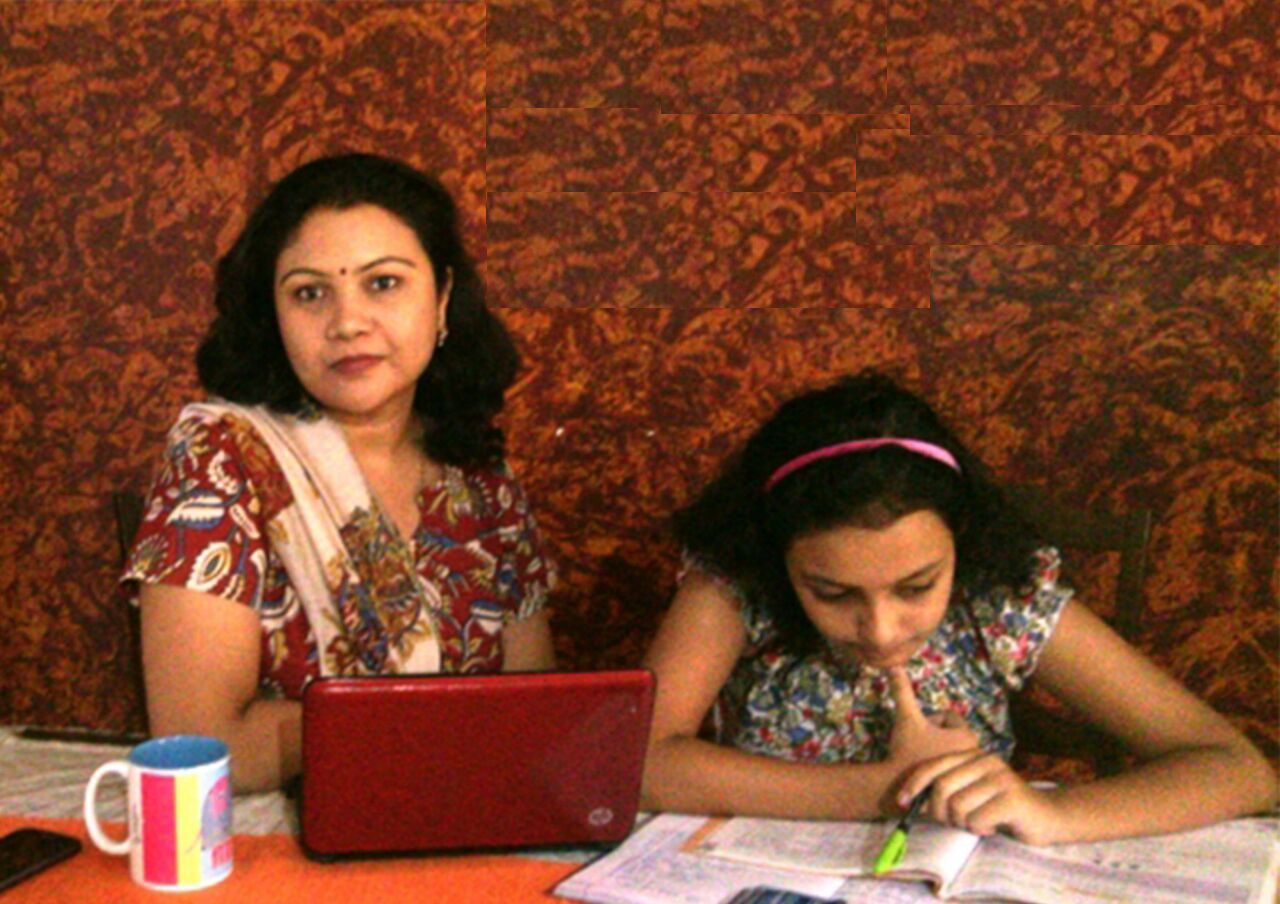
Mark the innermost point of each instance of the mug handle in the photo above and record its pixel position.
(100, 838)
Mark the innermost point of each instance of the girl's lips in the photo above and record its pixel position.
(355, 364)
(887, 658)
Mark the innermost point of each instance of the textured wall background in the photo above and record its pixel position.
(1061, 221)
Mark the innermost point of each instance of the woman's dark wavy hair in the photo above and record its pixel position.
(742, 531)
(242, 358)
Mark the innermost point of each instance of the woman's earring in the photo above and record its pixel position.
(441, 336)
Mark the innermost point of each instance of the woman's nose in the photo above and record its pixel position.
(347, 315)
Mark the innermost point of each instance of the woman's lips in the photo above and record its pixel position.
(353, 365)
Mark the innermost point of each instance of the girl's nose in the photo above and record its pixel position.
(877, 625)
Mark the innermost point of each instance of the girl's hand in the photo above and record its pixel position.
(917, 737)
(978, 792)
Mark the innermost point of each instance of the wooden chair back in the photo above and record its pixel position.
(127, 507)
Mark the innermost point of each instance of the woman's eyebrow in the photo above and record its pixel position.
(376, 262)
(386, 259)
(299, 271)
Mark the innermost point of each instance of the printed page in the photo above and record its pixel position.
(837, 848)
(1222, 864)
(885, 891)
(934, 852)
(650, 868)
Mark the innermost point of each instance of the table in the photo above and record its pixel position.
(42, 785)
(272, 868)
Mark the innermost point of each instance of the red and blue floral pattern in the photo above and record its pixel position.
(208, 526)
(822, 709)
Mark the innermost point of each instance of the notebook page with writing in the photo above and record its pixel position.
(650, 868)
(1230, 863)
(934, 853)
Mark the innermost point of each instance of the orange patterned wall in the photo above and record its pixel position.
(1059, 220)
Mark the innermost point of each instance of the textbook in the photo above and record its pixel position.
(695, 860)
(1228, 862)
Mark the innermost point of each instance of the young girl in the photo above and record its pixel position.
(856, 607)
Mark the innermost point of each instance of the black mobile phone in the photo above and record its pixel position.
(762, 894)
(25, 852)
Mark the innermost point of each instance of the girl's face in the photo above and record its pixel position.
(876, 594)
(359, 310)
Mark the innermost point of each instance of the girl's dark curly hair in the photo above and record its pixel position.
(744, 532)
(242, 358)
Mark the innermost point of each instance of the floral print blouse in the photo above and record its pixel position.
(821, 709)
(477, 544)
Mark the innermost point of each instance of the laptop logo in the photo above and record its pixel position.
(600, 816)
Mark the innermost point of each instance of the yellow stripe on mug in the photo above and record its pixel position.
(186, 806)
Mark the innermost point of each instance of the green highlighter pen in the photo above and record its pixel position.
(896, 845)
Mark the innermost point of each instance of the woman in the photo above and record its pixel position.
(858, 606)
(343, 507)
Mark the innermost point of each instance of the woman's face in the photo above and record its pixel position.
(359, 310)
(876, 594)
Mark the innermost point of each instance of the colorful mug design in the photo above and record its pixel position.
(179, 805)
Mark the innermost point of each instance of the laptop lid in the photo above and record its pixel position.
(440, 762)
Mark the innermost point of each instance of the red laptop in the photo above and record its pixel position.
(400, 764)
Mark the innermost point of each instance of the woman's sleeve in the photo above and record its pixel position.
(201, 527)
(1016, 624)
(526, 573)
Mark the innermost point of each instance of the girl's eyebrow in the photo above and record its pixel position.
(377, 262)
(906, 579)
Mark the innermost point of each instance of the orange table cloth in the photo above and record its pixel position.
(272, 868)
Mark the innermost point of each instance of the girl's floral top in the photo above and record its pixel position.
(477, 544)
(824, 709)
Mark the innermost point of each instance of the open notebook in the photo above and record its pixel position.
(679, 859)
(399, 764)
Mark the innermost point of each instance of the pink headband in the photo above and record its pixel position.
(929, 450)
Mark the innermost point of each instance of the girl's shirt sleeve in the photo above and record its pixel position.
(1016, 624)
(758, 625)
(202, 526)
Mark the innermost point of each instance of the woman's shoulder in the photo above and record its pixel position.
(218, 444)
(215, 423)
(491, 490)
(493, 474)
(488, 507)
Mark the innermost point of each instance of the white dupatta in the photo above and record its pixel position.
(370, 611)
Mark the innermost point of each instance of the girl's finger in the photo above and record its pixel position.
(904, 697)
(961, 803)
(931, 771)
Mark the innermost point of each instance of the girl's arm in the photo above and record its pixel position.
(200, 658)
(695, 651)
(1196, 768)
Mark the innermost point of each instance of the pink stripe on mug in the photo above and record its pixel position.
(159, 854)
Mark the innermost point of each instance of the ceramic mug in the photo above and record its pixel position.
(179, 804)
